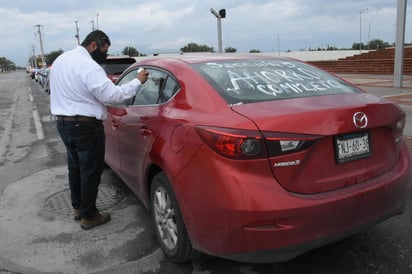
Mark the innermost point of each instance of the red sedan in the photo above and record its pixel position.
(255, 158)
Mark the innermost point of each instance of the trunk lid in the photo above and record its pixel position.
(330, 160)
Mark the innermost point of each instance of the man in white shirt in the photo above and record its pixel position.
(80, 89)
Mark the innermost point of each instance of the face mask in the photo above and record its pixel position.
(98, 56)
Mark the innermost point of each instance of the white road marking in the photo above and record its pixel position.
(38, 125)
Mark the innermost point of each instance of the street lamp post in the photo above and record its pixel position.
(219, 16)
(400, 43)
(77, 32)
(97, 21)
(369, 35)
(360, 28)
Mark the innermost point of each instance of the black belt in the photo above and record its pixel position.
(77, 118)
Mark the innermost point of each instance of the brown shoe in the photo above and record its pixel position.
(76, 215)
(98, 219)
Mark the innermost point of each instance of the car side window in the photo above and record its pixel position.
(126, 79)
(149, 92)
(170, 88)
(159, 88)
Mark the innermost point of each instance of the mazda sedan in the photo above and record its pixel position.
(256, 158)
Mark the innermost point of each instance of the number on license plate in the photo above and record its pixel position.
(352, 147)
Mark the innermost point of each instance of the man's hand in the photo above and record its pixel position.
(142, 75)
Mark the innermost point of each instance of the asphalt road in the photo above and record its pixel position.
(37, 236)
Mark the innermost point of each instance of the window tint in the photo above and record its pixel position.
(245, 81)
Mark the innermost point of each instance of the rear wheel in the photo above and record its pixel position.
(167, 219)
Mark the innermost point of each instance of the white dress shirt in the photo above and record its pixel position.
(80, 86)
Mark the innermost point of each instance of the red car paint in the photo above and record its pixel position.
(260, 180)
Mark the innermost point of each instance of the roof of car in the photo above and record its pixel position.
(202, 57)
(119, 60)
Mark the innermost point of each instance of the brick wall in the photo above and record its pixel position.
(373, 62)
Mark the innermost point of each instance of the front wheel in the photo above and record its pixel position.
(168, 222)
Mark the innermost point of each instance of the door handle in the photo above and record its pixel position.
(114, 124)
(145, 132)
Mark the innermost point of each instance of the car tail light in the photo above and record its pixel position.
(289, 145)
(280, 143)
(397, 129)
(233, 143)
(399, 125)
(251, 144)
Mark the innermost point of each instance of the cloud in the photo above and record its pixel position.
(170, 25)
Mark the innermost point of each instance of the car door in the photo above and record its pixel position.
(141, 126)
(114, 112)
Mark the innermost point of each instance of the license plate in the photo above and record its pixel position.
(352, 147)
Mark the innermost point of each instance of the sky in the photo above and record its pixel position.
(165, 26)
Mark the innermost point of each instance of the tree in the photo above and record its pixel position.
(6, 65)
(373, 44)
(53, 56)
(131, 51)
(230, 49)
(254, 51)
(356, 46)
(378, 44)
(193, 47)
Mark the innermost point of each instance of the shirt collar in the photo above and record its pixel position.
(83, 51)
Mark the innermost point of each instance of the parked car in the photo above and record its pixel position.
(115, 65)
(256, 158)
(46, 82)
(33, 73)
(43, 78)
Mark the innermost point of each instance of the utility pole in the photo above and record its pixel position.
(33, 58)
(77, 32)
(97, 21)
(43, 60)
(91, 21)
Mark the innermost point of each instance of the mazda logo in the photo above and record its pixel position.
(360, 120)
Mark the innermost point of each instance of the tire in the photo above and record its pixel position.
(168, 222)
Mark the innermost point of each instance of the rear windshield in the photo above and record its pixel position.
(115, 69)
(117, 66)
(246, 81)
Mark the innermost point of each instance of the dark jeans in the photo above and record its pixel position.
(85, 144)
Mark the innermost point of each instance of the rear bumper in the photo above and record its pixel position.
(287, 253)
(243, 219)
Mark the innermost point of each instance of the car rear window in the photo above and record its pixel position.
(246, 81)
(115, 66)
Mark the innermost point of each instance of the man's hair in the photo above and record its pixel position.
(97, 36)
